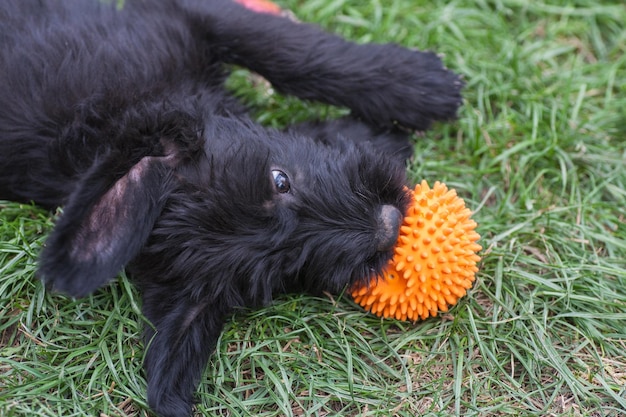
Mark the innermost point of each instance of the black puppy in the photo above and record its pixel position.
(120, 116)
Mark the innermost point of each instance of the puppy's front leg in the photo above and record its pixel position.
(382, 84)
(184, 335)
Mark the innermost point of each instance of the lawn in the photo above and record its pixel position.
(538, 153)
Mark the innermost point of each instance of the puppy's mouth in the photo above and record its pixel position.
(389, 220)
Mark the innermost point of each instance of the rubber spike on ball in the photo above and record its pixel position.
(435, 259)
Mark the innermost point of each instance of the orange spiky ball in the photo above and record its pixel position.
(434, 262)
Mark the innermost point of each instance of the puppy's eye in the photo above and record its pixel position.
(281, 181)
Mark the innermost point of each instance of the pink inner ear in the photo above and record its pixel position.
(110, 215)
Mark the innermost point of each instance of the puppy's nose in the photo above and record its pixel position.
(389, 221)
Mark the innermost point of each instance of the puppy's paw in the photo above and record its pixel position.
(411, 88)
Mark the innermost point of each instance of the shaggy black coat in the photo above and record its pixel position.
(120, 116)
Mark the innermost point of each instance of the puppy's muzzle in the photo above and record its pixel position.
(389, 221)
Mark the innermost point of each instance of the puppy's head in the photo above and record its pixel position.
(237, 211)
(265, 212)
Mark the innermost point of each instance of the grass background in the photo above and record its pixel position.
(538, 152)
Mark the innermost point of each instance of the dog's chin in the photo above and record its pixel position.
(371, 271)
(340, 280)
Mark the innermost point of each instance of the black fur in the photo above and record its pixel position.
(121, 117)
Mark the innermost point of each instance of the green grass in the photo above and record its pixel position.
(539, 152)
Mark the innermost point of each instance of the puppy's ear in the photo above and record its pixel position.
(106, 221)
